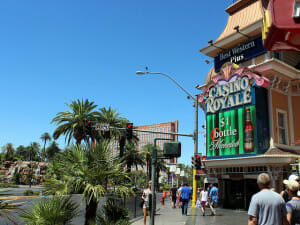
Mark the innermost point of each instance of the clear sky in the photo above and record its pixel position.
(53, 52)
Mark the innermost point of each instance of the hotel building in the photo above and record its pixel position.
(146, 138)
(267, 97)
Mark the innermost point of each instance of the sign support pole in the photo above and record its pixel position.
(194, 198)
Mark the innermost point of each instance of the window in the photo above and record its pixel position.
(296, 13)
(277, 55)
(282, 127)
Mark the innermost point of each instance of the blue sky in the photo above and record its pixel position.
(53, 52)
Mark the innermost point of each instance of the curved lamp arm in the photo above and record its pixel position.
(143, 73)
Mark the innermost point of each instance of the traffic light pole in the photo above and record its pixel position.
(195, 136)
(194, 198)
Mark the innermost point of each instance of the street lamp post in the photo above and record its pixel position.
(195, 137)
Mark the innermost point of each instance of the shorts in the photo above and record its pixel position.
(173, 198)
(203, 203)
(146, 205)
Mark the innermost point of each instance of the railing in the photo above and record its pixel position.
(131, 203)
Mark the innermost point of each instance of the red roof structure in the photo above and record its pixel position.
(281, 25)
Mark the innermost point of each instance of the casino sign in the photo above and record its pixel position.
(236, 111)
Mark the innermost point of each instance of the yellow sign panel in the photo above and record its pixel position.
(266, 24)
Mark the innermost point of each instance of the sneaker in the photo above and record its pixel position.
(203, 214)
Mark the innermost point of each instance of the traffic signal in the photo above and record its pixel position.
(197, 162)
(193, 162)
(129, 129)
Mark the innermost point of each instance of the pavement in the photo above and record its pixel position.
(166, 215)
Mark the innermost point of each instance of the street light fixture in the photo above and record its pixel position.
(195, 137)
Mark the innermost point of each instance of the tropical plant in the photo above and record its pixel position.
(45, 137)
(133, 157)
(21, 152)
(9, 151)
(160, 167)
(32, 151)
(147, 149)
(140, 179)
(52, 150)
(112, 117)
(6, 207)
(72, 123)
(57, 210)
(17, 177)
(88, 170)
(29, 178)
(113, 214)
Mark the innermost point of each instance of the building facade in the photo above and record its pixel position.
(148, 138)
(274, 115)
(145, 138)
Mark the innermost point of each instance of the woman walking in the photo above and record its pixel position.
(147, 201)
(203, 200)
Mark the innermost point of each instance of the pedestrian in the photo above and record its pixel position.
(284, 193)
(147, 197)
(179, 196)
(173, 196)
(163, 198)
(293, 206)
(185, 193)
(266, 207)
(213, 198)
(203, 200)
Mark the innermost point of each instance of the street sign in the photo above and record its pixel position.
(173, 168)
(102, 126)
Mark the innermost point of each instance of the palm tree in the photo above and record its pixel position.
(45, 137)
(88, 170)
(72, 123)
(21, 152)
(160, 167)
(52, 150)
(57, 210)
(147, 149)
(112, 117)
(32, 151)
(133, 157)
(9, 151)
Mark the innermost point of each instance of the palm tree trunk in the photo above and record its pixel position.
(44, 151)
(149, 169)
(122, 145)
(90, 211)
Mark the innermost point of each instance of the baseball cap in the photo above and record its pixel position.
(291, 185)
(293, 177)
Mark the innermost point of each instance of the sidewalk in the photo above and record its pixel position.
(166, 215)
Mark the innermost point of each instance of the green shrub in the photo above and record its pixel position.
(28, 193)
(50, 211)
(5, 185)
(36, 193)
(113, 214)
